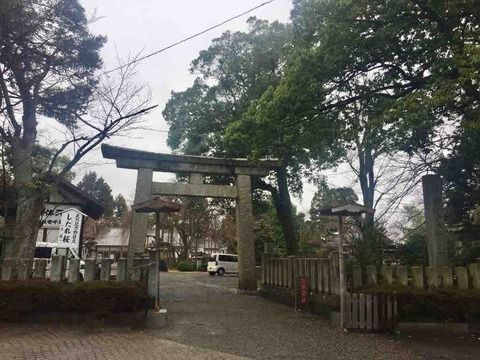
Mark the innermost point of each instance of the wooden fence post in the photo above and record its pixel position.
(361, 311)
(369, 317)
(326, 277)
(319, 285)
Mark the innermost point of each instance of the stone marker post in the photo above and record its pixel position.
(57, 271)
(24, 271)
(7, 269)
(462, 277)
(73, 270)
(90, 270)
(40, 269)
(106, 269)
(122, 269)
(435, 221)
(402, 275)
(417, 276)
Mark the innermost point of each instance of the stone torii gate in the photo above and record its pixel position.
(196, 167)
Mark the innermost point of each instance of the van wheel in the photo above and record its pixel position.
(221, 272)
(212, 273)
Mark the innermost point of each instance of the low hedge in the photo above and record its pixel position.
(183, 266)
(21, 298)
(435, 305)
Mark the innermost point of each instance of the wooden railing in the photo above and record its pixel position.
(283, 272)
(323, 274)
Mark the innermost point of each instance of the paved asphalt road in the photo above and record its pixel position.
(206, 312)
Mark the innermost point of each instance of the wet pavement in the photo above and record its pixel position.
(206, 312)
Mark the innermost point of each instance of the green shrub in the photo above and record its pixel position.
(435, 305)
(183, 266)
(202, 267)
(20, 298)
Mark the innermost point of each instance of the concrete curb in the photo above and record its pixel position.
(437, 327)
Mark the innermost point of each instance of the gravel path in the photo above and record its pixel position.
(205, 312)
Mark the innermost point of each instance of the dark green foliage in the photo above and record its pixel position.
(183, 266)
(413, 251)
(18, 299)
(121, 207)
(440, 305)
(202, 268)
(99, 190)
(326, 196)
(368, 246)
(50, 40)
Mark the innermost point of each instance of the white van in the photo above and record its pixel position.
(222, 263)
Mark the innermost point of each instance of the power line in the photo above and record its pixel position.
(188, 38)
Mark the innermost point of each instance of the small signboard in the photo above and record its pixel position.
(70, 228)
(52, 215)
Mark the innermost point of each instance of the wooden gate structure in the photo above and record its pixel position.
(196, 167)
(370, 311)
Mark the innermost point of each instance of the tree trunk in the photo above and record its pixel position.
(367, 182)
(283, 205)
(29, 199)
(29, 204)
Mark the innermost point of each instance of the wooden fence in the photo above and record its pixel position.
(282, 272)
(370, 311)
(61, 269)
(323, 274)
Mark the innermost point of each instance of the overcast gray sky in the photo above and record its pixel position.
(149, 25)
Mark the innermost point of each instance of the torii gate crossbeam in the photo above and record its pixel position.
(196, 167)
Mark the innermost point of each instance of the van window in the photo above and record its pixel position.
(212, 258)
(43, 252)
(227, 258)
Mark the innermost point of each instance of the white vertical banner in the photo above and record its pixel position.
(70, 227)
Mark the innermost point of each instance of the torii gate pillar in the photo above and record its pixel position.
(196, 167)
(246, 242)
(139, 226)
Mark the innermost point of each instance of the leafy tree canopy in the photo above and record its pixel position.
(330, 197)
(96, 187)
